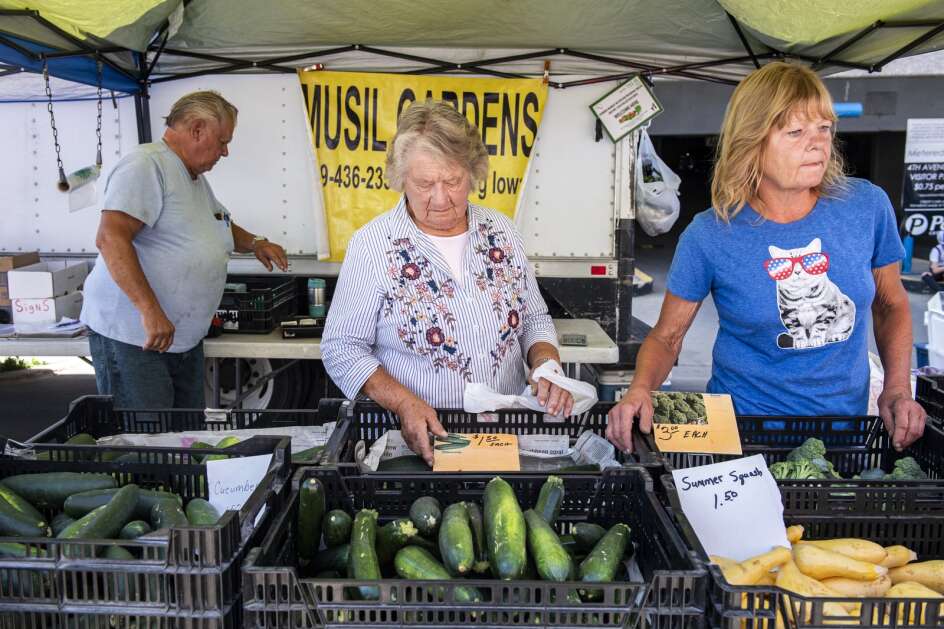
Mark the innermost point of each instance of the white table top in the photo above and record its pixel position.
(600, 349)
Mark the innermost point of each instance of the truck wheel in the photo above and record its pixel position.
(272, 393)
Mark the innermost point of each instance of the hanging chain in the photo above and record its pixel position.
(63, 184)
(98, 126)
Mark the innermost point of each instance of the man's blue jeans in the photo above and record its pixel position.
(140, 379)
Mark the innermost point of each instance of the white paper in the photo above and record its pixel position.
(592, 449)
(303, 437)
(734, 507)
(479, 398)
(232, 481)
(544, 446)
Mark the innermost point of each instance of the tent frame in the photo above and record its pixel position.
(142, 73)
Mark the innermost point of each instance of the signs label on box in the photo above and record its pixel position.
(734, 507)
(476, 452)
(695, 422)
(231, 481)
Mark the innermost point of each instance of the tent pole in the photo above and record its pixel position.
(907, 48)
(630, 64)
(78, 42)
(142, 110)
(472, 67)
(827, 58)
(20, 49)
(744, 42)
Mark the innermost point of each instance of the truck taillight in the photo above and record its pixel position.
(597, 269)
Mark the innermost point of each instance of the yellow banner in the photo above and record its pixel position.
(353, 118)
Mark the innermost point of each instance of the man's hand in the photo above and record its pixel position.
(619, 424)
(417, 420)
(554, 399)
(158, 330)
(269, 253)
(904, 418)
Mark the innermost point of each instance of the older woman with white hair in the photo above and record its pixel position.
(437, 293)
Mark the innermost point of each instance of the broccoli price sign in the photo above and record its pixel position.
(734, 507)
(694, 422)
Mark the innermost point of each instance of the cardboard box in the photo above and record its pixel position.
(4, 296)
(47, 279)
(15, 261)
(47, 310)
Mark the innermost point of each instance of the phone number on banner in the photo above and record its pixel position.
(347, 176)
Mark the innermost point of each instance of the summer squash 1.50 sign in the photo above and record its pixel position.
(353, 117)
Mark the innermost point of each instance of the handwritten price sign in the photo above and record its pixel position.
(476, 452)
(734, 507)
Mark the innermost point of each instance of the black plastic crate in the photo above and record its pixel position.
(96, 415)
(192, 571)
(929, 392)
(756, 606)
(852, 444)
(260, 308)
(670, 594)
(112, 617)
(368, 421)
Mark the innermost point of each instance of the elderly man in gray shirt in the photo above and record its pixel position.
(164, 242)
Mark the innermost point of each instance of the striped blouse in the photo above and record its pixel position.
(398, 305)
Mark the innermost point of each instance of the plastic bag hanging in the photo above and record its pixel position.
(84, 176)
(657, 202)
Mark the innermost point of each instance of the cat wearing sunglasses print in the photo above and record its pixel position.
(812, 308)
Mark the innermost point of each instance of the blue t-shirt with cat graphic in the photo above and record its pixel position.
(794, 300)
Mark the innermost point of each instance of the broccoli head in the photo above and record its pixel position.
(826, 467)
(796, 470)
(906, 469)
(871, 474)
(810, 449)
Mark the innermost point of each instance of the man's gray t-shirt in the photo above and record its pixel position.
(183, 249)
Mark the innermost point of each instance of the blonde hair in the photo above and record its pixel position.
(766, 99)
(205, 105)
(436, 127)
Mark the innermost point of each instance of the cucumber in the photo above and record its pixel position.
(570, 544)
(106, 521)
(83, 502)
(15, 550)
(426, 515)
(120, 586)
(551, 560)
(456, 546)
(478, 537)
(225, 442)
(587, 534)
(81, 439)
(15, 523)
(311, 455)
(408, 463)
(550, 499)
(168, 514)
(504, 531)
(393, 536)
(337, 528)
(134, 529)
(200, 512)
(334, 559)
(311, 508)
(60, 522)
(604, 560)
(363, 561)
(20, 504)
(414, 563)
(50, 490)
(200, 445)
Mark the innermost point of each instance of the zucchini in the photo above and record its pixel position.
(167, 514)
(456, 546)
(81, 439)
(570, 544)
(15, 523)
(426, 514)
(478, 537)
(391, 537)
(363, 561)
(120, 586)
(551, 560)
(20, 504)
(83, 502)
(337, 528)
(587, 534)
(311, 508)
(200, 445)
(604, 560)
(225, 442)
(134, 529)
(50, 490)
(427, 545)
(200, 512)
(60, 522)
(311, 455)
(408, 463)
(504, 531)
(14, 550)
(334, 559)
(414, 563)
(106, 521)
(550, 499)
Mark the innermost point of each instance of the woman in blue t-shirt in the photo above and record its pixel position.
(795, 256)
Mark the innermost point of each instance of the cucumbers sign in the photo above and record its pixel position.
(353, 117)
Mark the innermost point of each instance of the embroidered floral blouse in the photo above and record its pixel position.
(397, 305)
